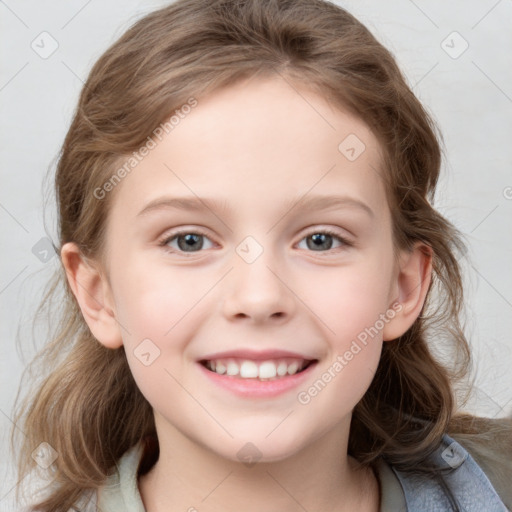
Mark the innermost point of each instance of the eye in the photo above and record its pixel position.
(193, 241)
(323, 239)
(187, 241)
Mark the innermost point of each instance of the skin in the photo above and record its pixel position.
(255, 145)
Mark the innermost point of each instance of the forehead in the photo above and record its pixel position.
(260, 140)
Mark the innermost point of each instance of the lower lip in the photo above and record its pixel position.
(254, 388)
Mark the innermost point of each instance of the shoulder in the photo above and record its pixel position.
(120, 491)
(456, 479)
(489, 441)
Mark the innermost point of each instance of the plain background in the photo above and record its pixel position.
(468, 92)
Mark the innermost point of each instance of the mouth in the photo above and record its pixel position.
(257, 370)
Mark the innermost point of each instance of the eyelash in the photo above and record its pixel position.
(163, 243)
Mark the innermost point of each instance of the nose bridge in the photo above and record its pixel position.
(257, 289)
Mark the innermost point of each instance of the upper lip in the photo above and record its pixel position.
(256, 355)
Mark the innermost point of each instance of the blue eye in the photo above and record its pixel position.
(193, 241)
(323, 239)
(188, 241)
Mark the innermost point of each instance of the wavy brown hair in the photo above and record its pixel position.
(86, 404)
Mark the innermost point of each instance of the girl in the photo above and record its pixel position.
(285, 362)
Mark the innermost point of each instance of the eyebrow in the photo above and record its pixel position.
(320, 202)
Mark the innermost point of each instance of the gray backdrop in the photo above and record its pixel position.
(457, 58)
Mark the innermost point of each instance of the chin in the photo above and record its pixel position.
(256, 447)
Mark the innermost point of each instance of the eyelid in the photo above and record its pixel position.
(345, 240)
(166, 238)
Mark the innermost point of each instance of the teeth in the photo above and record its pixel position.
(282, 369)
(293, 368)
(233, 368)
(267, 370)
(248, 369)
(264, 370)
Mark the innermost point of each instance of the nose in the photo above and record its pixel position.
(258, 291)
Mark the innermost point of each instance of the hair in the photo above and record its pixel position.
(191, 48)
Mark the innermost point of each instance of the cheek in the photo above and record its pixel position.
(151, 305)
(155, 315)
(352, 304)
(350, 309)
(349, 300)
(159, 318)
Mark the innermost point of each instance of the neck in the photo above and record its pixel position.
(189, 476)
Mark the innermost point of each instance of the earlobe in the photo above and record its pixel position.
(92, 292)
(412, 284)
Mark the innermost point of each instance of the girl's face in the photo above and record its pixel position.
(210, 251)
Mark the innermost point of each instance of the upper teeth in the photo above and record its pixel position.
(248, 369)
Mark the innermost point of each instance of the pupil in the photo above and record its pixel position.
(319, 241)
(190, 240)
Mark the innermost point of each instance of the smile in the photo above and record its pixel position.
(260, 370)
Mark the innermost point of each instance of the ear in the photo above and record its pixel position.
(93, 294)
(410, 289)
